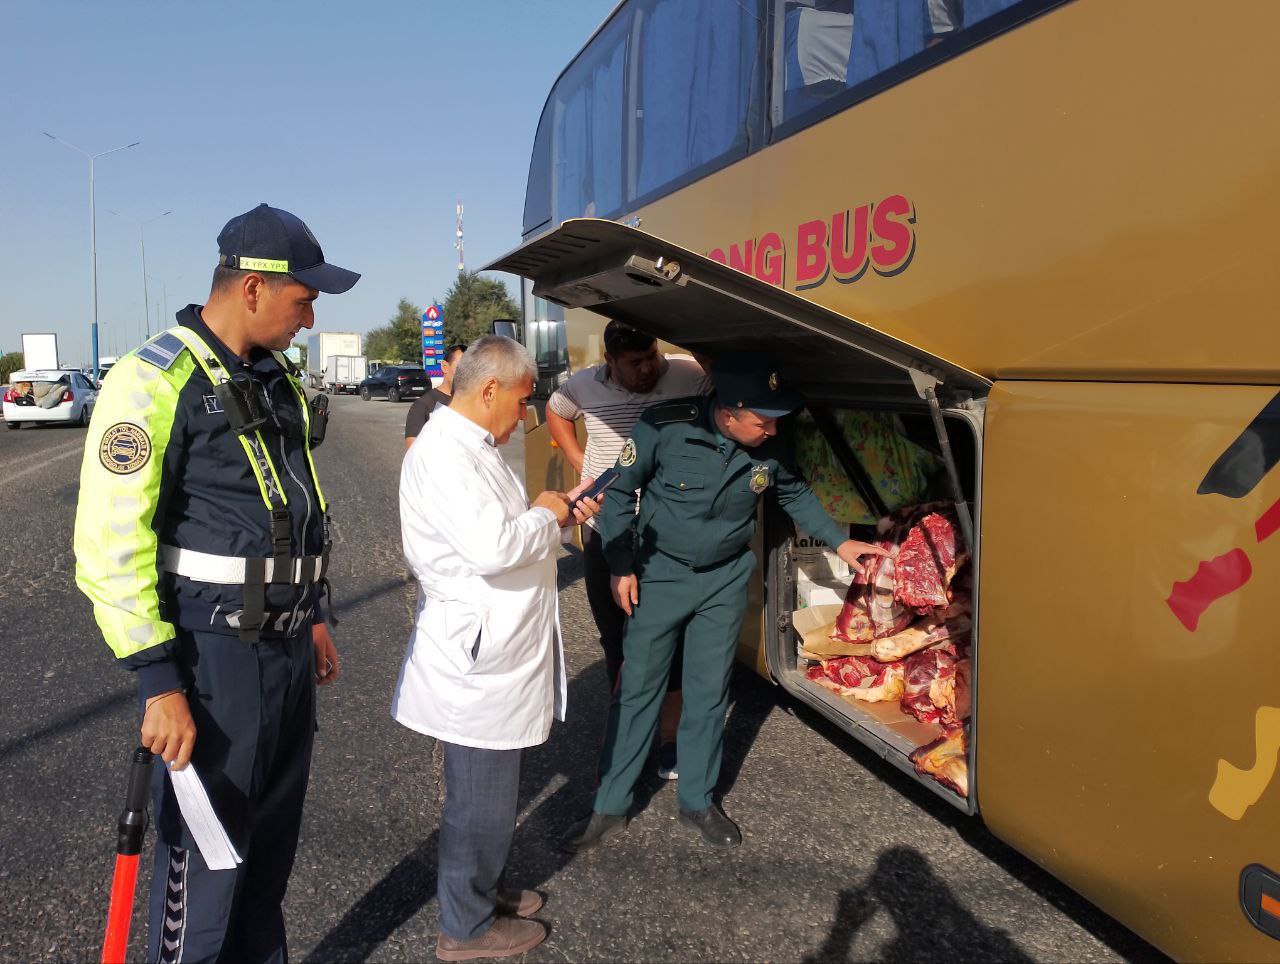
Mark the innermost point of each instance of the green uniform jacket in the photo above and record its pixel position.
(699, 490)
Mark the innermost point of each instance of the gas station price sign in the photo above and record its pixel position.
(433, 341)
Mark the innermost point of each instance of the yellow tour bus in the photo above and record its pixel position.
(1020, 257)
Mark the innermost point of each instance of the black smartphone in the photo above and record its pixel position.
(607, 478)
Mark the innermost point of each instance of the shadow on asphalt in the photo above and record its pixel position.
(901, 883)
(974, 832)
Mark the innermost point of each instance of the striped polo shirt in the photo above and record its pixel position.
(611, 411)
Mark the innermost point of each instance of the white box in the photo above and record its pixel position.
(823, 564)
(815, 586)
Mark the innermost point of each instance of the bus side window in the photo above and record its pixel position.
(830, 46)
(696, 86)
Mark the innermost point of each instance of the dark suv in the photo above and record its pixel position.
(395, 382)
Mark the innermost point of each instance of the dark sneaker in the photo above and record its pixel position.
(507, 937)
(667, 762)
(716, 829)
(592, 829)
(518, 903)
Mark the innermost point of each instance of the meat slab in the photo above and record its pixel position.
(946, 760)
(927, 562)
(860, 677)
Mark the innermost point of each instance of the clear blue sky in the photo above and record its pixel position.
(369, 119)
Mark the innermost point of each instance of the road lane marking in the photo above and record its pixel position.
(57, 456)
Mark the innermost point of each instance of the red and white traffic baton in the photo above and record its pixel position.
(132, 826)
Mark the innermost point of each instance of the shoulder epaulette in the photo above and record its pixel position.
(162, 350)
(672, 412)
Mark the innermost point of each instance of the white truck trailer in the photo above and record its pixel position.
(344, 373)
(321, 345)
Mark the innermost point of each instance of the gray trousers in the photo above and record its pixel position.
(479, 819)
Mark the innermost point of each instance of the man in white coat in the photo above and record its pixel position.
(484, 670)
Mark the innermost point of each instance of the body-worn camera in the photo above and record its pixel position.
(242, 401)
(319, 419)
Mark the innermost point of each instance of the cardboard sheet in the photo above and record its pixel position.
(815, 625)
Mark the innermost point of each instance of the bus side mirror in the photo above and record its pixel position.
(505, 327)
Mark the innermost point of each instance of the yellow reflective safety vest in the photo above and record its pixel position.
(185, 522)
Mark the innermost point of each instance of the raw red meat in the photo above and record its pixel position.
(870, 608)
(860, 677)
(937, 686)
(927, 677)
(925, 633)
(946, 759)
(914, 578)
(927, 562)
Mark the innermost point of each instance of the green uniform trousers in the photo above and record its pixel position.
(707, 606)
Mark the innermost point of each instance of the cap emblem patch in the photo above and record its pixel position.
(628, 456)
(773, 381)
(125, 448)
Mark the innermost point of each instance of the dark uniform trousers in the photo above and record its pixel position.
(706, 606)
(254, 711)
(611, 621)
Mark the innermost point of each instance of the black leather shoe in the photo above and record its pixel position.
(591, 830)
(716, 829)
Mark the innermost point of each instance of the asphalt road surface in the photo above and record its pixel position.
(843, 857)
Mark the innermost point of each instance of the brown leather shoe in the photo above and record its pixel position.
(518, 903)
(507, 937)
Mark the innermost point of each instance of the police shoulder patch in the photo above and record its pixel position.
(125, 448)
(628, 456)
(162, 351)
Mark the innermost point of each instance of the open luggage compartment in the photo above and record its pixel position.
(922, 660)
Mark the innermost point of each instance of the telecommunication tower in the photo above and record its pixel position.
(458, 243)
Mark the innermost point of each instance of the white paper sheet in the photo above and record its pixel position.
(197, 810)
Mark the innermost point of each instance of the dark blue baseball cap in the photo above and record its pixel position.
(268, 239)
(749, 379)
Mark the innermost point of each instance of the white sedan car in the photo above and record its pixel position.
(49, 395)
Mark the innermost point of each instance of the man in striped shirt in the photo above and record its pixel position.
(611, 397)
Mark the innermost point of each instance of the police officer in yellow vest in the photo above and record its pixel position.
(680, 564)
(202, 540)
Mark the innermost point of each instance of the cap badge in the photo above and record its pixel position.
(759, 478)
(773, 381)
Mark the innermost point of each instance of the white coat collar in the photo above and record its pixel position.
(461, 427)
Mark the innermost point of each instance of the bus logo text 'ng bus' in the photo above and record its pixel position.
(879, 236)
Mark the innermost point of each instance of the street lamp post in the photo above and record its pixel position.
(93, 234)
(142, 241)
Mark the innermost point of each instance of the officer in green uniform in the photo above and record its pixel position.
(681, 564)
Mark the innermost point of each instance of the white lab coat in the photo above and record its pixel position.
(485, 664)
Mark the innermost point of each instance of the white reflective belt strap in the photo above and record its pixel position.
(230, 570)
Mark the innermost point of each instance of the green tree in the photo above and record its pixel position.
(302, 354)
(472, 303)
(9, 364)
(400, 339)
